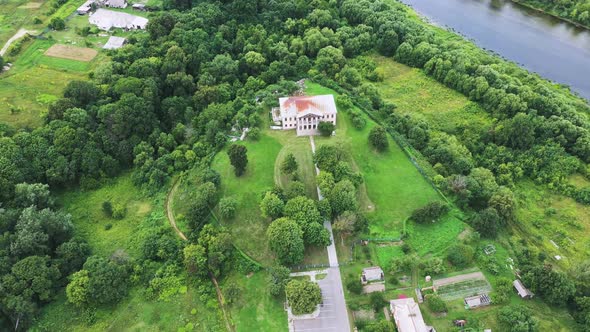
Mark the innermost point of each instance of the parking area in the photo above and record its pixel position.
(333, 316)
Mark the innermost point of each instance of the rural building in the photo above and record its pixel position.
(304, 113)
(85, 8)
(138, 6)
(407, 316)
(370, 274)
(523, 292)
(116, 3)
(114, 43)
(481, 300)
(106, 19)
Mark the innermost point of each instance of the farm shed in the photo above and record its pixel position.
(114, 43)
(523, 292)
(369, 274)
(407, 316)
(477, 301)
(106, 19)
(85, 8)
(116, 3)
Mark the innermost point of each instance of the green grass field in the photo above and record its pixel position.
(34, 81)
(16, 14)
(393, 187)
(90, 221)
(412, 91)
(249, 227)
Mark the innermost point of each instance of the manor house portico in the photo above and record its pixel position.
(304, 113)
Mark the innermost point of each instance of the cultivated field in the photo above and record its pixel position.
(71, 52)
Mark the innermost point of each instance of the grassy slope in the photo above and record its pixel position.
(412, 91)
(247, 189)
(394, 187)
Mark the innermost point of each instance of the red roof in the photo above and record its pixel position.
(301, 103)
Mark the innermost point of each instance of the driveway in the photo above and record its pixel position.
(333, 313)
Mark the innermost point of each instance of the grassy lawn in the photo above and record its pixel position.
(91, 222)
(249, 227)
(393, 187)
(256, 309)
(412, 91)
(34, 81)
(301, 149)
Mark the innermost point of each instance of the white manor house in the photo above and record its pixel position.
(304, 113)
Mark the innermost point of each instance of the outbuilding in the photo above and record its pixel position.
(372, 274)
(477, 301)
(106, 19)
(523, 292)
(114, 43)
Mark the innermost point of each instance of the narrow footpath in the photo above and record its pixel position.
(172, 221)
(9, 42)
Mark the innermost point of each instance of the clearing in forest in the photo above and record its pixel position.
(71, 52)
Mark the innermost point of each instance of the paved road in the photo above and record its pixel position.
(333, 314)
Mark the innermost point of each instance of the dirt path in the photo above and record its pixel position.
(169, 211)
(16, 36)
(172, 220)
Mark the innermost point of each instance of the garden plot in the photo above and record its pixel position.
(460, 286)
(71, 52)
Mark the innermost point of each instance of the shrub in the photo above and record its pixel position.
(57, 23)
(378, 138)
(108, 226)
(354, 286)
(107, 208)
(358, 121)
(377, 301)
(303, 296)
(435, 303)
(227, 207)
(119, 211)
(326, 128)
(430, 212)
(460, 255)
(254, 134)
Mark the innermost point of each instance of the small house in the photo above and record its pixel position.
(85, 8)
(372, 274)
(116, 3)
(407, 316)
(477, 301)
(523, 292)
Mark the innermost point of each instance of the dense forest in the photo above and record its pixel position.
(575, 10)
(167, 100)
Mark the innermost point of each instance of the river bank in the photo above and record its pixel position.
(554, 15)
(541, 44)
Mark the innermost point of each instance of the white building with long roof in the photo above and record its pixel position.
(106, 19)
(407, 316)
(304, 113)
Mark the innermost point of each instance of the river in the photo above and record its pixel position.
(554, 49)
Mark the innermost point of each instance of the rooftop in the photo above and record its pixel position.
(106, 19)
(114, 43)
(303, 105)
(373, 273)
(521, 289)
(408, 317)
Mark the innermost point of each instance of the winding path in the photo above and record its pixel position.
(170, 213)
(17, 35)
(172, 220)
